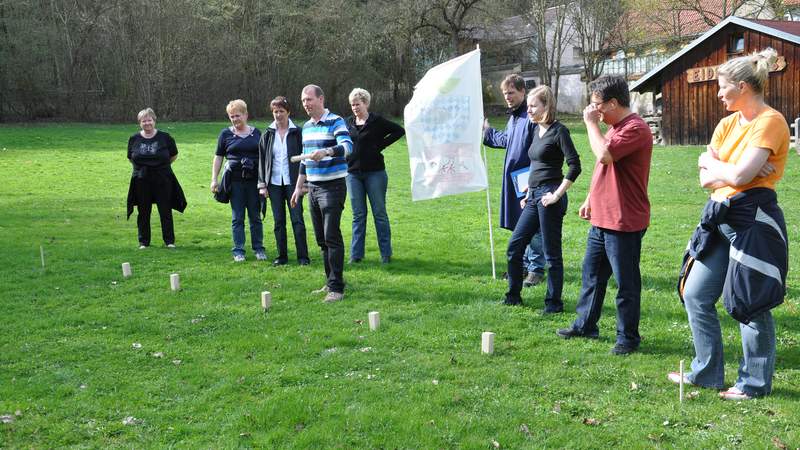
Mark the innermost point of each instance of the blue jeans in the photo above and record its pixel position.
(361, 185)
(279, 197)
(244, 195)
(533, 260)
(703, 287)
(326, 203)
(547, 222)
(607, 252)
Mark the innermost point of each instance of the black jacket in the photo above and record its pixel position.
(294, 147)
(144, 174)
(759, 256)
(375, 135)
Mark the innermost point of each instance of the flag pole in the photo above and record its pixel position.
(489, 214)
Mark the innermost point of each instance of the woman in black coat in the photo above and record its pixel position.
(151, 152)
(366, 173)
(277, 176)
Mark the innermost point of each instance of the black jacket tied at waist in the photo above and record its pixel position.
(759, 256)
(145, 174)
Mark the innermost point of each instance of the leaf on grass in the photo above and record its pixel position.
(158, 355)
(366, 349)
(776, 441)
(18, 413)
(130, 420)
(361, 337)
(136, 345)
(634, 386)
(590, 421)
(557, 408)
(83, 386)
(330, 350)
(666, 423)
(435, 382)
(495, 444)
(299, 426)
(358, 321)
(176, 361)
(244, 434)
(7, 418)
(693, 395)
(524, 429)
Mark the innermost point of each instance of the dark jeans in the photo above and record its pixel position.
(361, 185)
(607, 252)
(279, 197)
(157, 189)
(244, 195)
(547, 219)
(326, 203)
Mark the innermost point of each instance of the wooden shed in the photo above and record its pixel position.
(687, 81)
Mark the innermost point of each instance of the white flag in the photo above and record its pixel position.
(443, 124)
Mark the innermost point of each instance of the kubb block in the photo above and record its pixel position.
(126, 270)
(175, 282)
(487, 342)
(374, 320)
(266, 300)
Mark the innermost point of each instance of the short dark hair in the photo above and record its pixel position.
(612, 86)
(514, 80)
(280, 102)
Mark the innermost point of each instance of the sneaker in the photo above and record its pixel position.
(675, 377)
(170, 245)
(386, 259)
(532, 279)
(238, 258)
(570, 332)
(356, 260)
(622, 350)
(322, 290)
(303, 262)
(142, 246)
(734, 393)
(553, 310)
(333, 297)
(280, 261)
(261, 256)
(512, 301)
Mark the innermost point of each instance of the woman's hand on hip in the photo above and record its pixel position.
(550, 198)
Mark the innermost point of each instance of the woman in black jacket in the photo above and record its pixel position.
(151, 152)
(366, 173)
(277, 176)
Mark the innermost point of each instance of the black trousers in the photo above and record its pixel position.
(155, 188)
(326, 201)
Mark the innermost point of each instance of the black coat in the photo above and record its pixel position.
(294, 147)
(142, 175)
(376, 134)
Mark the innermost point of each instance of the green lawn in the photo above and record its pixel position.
(214, 371)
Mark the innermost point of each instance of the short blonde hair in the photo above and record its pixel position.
(752, 69)
(361, 95)
(545, 96)
(144, 113)
(237, 105)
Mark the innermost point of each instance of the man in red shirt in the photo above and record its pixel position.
(619, 211)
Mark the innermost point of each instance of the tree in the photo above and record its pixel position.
(553, 32)
(593, 21)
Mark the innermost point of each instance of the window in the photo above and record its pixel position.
(736, 44)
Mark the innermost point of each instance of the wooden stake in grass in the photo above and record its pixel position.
(680, 385)
(487, 342)
(266, 301)
(41, 252)
(374, 320)
(126, 270)
(175, 282)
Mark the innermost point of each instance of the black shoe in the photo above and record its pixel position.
(304, 262)
(355, 260)
(512, 301)
(553, 310)
(622, 350)
(570, 332)
(280, 262)
(386, 259)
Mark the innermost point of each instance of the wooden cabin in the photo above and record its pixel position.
(687, 82)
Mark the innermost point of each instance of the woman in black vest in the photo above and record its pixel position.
(277, 176)
(366, 173)
(151, 152)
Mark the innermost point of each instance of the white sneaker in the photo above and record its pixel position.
(170, 245)
(675, 377)
(333, 297)
(238, 258)
(142, 247)
(322, 290)
(261, 256)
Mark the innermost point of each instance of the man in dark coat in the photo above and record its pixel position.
(516, 139)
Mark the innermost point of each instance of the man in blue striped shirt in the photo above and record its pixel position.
(327, 143)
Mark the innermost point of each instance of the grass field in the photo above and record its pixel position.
(213, 371)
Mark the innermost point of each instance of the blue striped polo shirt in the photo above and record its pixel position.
(330, 132)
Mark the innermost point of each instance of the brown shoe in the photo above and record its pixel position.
(532, 279)
(333, 297)
(322, 290)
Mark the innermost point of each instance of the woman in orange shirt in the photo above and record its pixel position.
(740, 248)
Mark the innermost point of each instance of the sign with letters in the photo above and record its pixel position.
(700, 74)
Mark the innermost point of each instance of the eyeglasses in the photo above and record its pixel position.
(597, 104)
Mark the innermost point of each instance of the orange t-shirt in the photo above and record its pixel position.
(769, 130)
